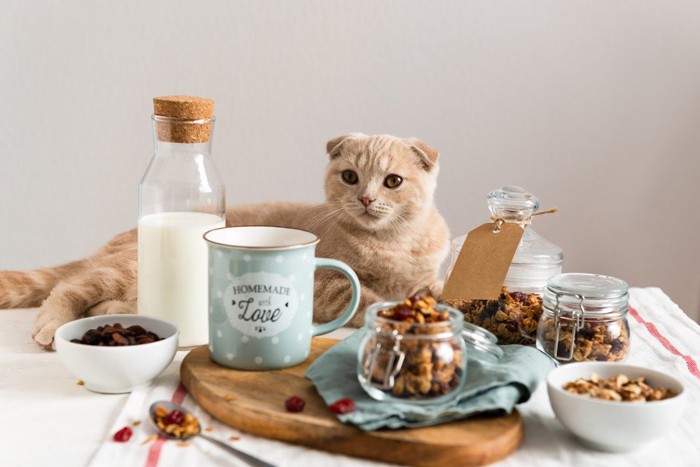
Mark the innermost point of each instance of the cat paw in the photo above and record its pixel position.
(45, 328)
(436, 288)
(112, 307)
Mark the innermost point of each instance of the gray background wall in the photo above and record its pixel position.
(594, 106)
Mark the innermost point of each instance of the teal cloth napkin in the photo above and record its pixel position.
(489, 387)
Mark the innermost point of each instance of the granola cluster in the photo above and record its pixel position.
(512, 318)
(596, 341)
(178, 424)
(416, 309)
(415, 353)
(619, 388)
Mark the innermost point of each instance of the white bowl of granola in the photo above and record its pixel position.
(615, 407)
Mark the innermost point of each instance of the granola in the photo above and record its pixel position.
(432, 353)
(512, 318)
(176, 423)
(597, 341)
(619, 388)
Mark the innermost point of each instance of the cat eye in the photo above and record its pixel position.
(349, 177)
(393, 181)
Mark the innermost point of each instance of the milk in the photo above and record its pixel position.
(172, 273)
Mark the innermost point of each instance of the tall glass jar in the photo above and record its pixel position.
(181, 196)
(514, 316)
(585, 319)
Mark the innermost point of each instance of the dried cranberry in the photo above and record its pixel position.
(343, 406)
(294, 404)
(123, 435)
(403, 312)
(176, 417)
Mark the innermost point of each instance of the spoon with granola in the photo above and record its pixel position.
(176, 422)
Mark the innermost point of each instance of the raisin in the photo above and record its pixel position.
(343, 406)
(617, 345)
(294, 404)
(117, 335)
(520, 297)
(123, 435)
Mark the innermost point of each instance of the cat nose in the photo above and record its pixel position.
(366, 200)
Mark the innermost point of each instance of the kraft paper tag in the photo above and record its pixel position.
(483, 263)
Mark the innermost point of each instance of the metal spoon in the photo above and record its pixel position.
(170, 406)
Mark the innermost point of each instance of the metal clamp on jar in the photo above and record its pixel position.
(584, 318)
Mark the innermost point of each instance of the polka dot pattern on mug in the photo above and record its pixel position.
(229, 356)
(258, 360)
(279, 258)
(287, 358)
(219, 334)
(245, 339)
(275, 340)
(247, 258)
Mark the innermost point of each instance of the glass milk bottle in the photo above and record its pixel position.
(181, 196)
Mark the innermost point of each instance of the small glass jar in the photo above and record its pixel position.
(419, 362)
(584, 319)
(514, 316)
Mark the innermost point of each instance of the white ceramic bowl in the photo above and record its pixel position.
(614, 426)
(115, 370)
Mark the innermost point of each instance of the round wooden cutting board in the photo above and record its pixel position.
(254, 402)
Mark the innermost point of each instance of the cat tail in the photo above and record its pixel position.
(28, 289)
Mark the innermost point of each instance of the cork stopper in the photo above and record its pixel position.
(176, 118)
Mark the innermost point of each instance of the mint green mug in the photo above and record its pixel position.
(261, 295)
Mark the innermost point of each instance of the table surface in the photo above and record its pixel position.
(50, 420)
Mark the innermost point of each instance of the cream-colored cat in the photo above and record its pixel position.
(379, 217)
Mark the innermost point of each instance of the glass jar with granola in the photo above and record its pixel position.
(514, 316)
(584, 319)
(415, 350)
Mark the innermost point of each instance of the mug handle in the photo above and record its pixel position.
(347, 271)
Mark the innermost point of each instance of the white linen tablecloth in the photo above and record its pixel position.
(47, 419)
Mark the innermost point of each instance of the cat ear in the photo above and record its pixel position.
(333, 146)
(428, 156)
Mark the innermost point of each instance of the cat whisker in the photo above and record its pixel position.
(321, 223)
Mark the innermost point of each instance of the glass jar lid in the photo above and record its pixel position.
(481, 343)
(595, 295)
(515, 204)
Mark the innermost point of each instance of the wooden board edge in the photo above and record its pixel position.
(351, 441)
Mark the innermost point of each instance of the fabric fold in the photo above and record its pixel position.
(489, 387)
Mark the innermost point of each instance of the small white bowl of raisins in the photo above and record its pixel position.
(115, 354)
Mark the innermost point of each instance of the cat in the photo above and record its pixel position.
(379, 217)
